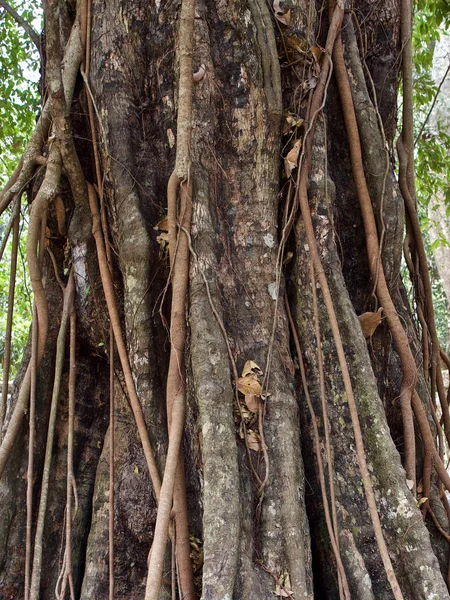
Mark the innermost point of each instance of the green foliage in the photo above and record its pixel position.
(19, 74)
(19, 104)
(22, 298)
(432, 18)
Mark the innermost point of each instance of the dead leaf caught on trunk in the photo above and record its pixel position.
(369, 321)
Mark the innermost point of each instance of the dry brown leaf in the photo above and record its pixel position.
(291, 121)
(249, 385)
(163, 225)
(283, 585)
(245, 414)
(369, 321)
(284, 16)
(163, 241)
(291, 160)
(250, 368)
(253, 402)
(196, 553)
(296, 44)
(253, 440)
(317, 52)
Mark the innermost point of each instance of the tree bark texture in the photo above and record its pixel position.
(257, 71)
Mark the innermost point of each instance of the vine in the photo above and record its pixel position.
(52, 148)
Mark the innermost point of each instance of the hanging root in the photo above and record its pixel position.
(70, 484)
(331, 522)
(46, 192)
(68, 307)
(9, 317)
(173, 486)
(302, 187)
(108, 289)
(408, 393)
(111, 465)
(173, 483)
(400, 338)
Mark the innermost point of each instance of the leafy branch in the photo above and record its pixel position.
(35, 37)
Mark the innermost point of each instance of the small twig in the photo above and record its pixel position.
(432, 105)
(6, 234)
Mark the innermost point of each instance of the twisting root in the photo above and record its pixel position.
(410, 205)
(331, 527)
(32, 428)
(85, 18)
(46, 192)
(7, 233)
(376, 267)
(121, 348)
(30, 468)
(68, 304)
(173, 486)
(9, 318)
(326, 424)
(111, 465)
(309, 229)
(70, 484)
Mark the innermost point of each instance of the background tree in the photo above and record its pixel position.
(212, 204)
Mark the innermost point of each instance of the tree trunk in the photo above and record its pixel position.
(256, 505)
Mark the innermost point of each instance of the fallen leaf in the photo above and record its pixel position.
(284, 16)
(296, 44)
(283, 585)
(249, 385)
(198, 75)
(246, 414)
(422, 501)
(291, 160)
(196, 553)
(251, 367)
(253, 402)
(163, 241)
(369, 321)
(272, 289)
(317, 52)
(311, 83)
(163, 225)
(291, 121)
(253, 440)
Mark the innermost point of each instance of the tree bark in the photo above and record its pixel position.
(255, 506)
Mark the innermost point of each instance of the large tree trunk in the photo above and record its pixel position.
(254, 499)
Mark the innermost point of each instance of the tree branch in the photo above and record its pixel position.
(432, 105)
(23, 23)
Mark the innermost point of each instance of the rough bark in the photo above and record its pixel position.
(250, 534)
